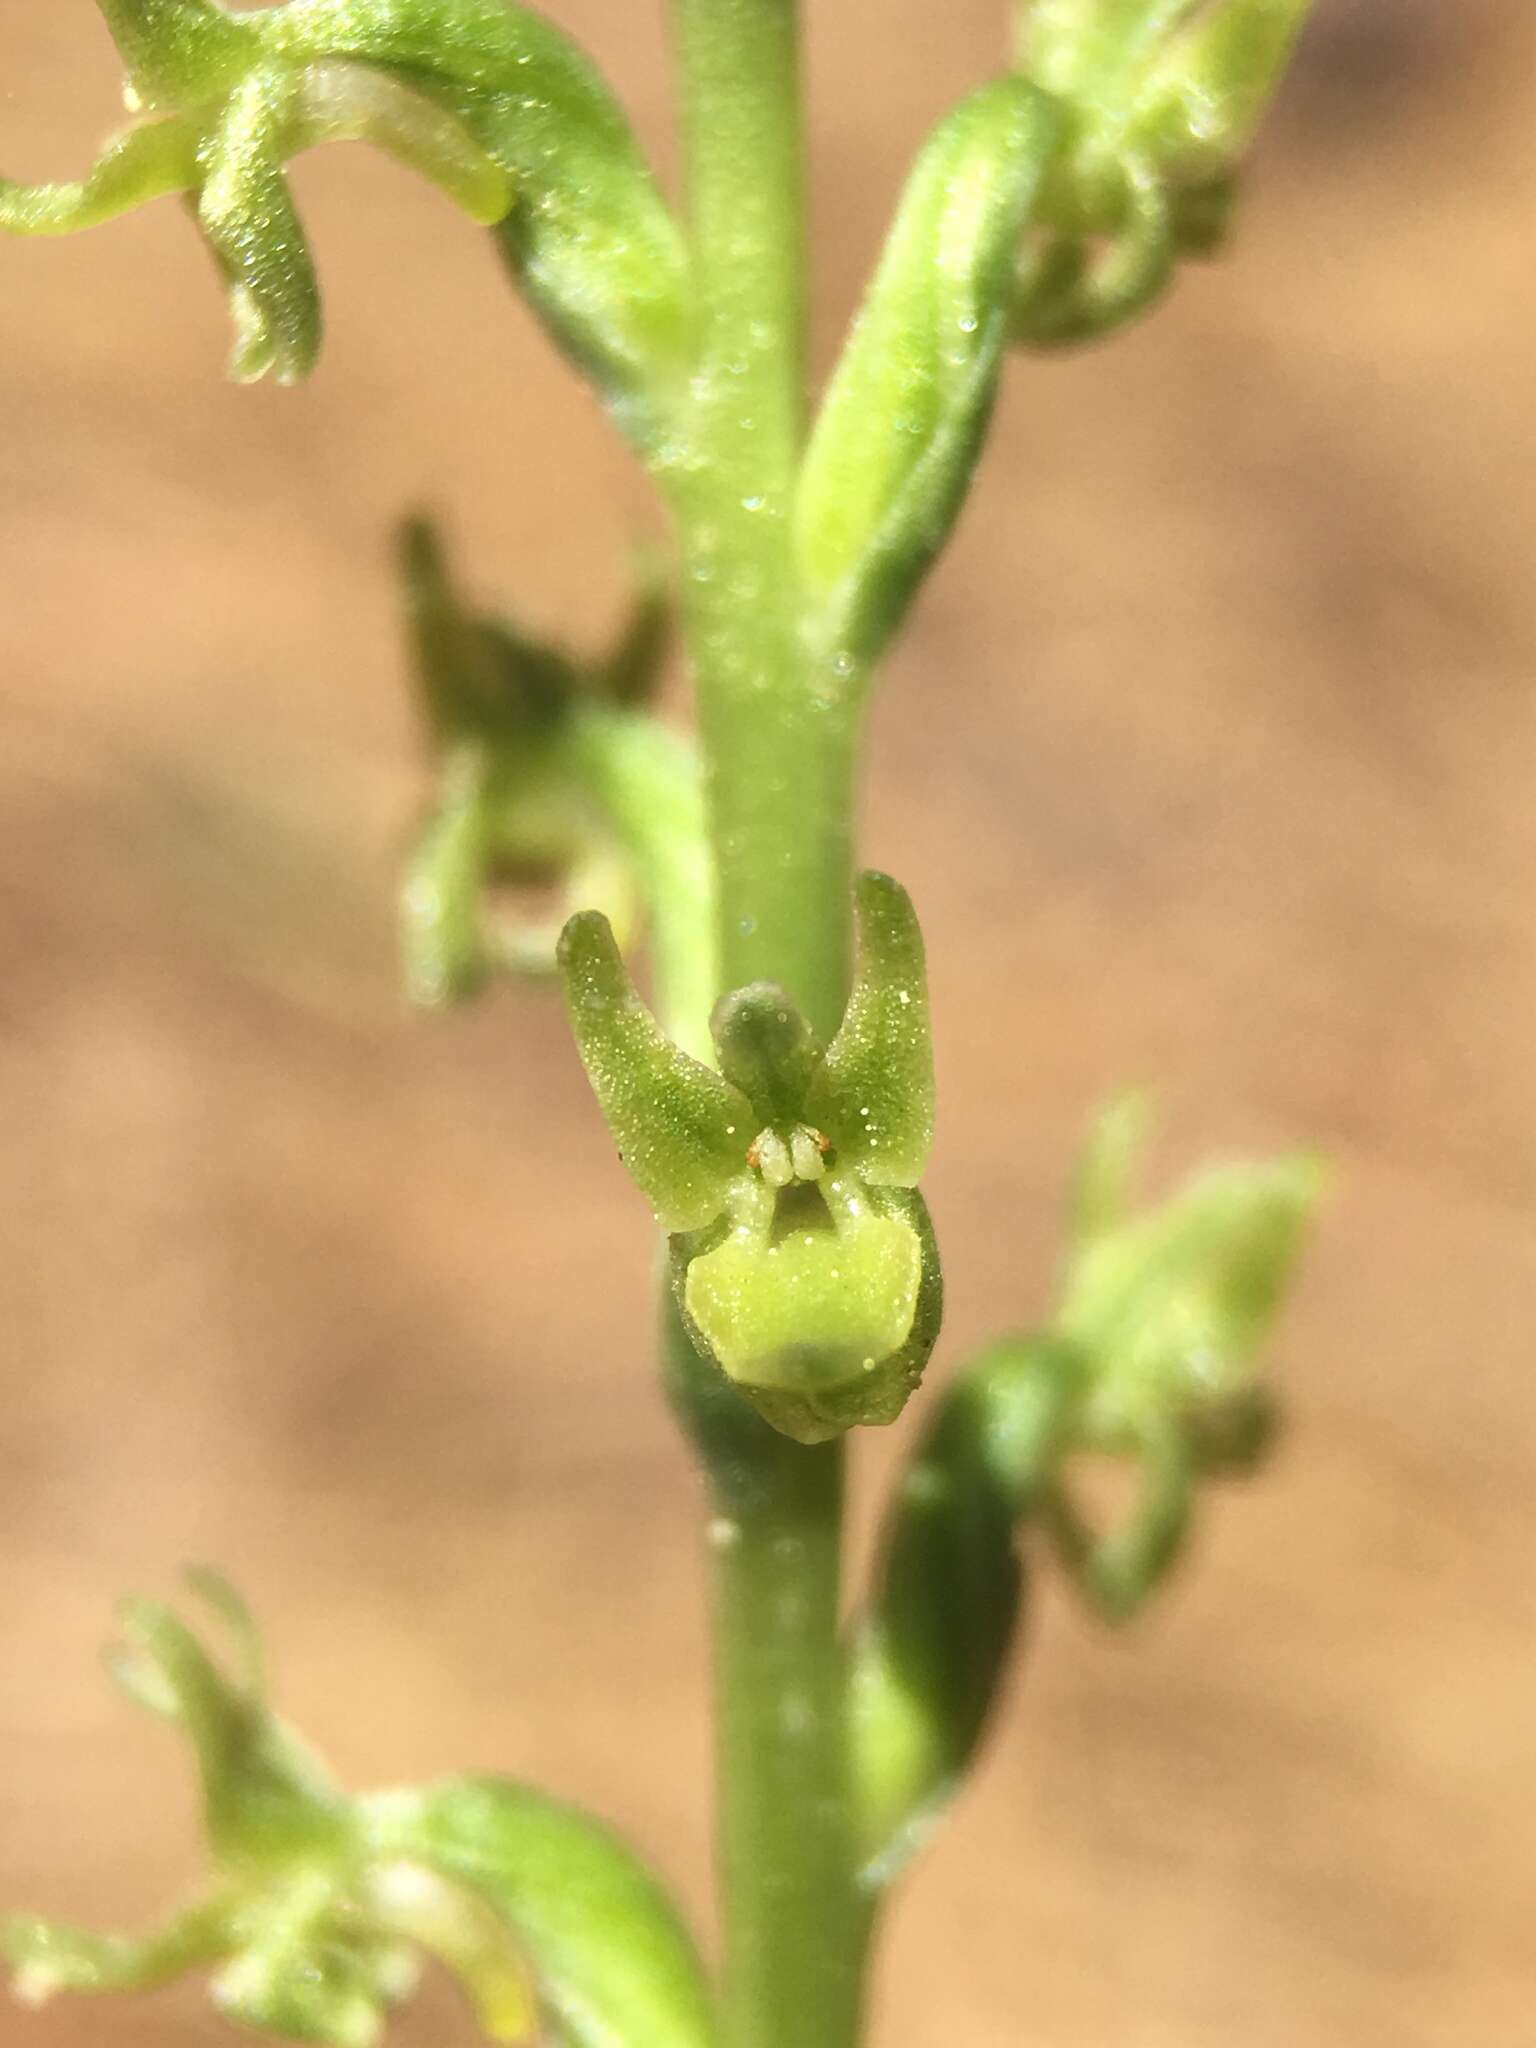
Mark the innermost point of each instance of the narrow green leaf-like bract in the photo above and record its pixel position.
(947, 1592)
(614, 1965)
(899, 429)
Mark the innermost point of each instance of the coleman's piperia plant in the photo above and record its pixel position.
(774, 1100)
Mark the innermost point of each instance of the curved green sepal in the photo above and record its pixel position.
(1118, 1570)
(681, 1129)
(245, 211)
(264, 1793)
(823, 1313)
(589, 236)
(929, 1658)
(902, 420)
(1067, 294)
(148, 161)
(612, 1961)
(874, 1090)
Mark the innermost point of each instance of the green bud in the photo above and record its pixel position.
(321, 1903)
(1166, 1310)
(767, 1050)
(902, 420)
(949, 1590)
(1170, 1306)
(1161, 101)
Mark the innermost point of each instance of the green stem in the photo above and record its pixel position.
(778, 744)
(778, 738)
(795, 1920)
(794, 1953)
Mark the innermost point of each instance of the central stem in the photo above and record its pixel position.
(778, 739)
(778, 750)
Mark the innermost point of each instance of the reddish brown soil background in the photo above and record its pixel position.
(1210, 757)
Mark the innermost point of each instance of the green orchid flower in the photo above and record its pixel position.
(548, 775)
(487, 101)
(1161, 100)
(803, 1258)
(1164, 1315)
(321, 1904)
